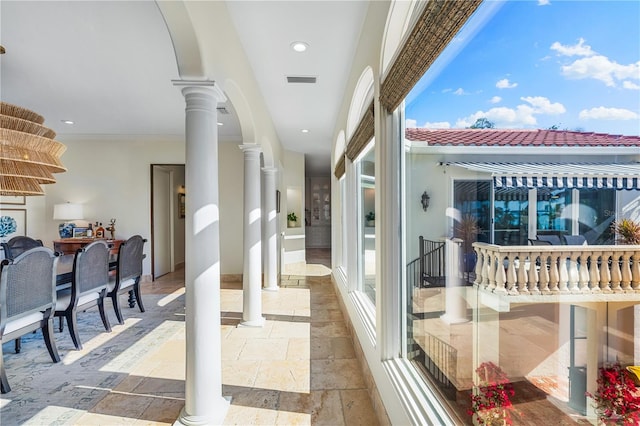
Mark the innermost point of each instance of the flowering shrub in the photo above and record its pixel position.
(492, 404)
(7, 225)
(616, 396)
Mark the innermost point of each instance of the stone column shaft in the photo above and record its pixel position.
(204, 403)
(270, 242)
(252, 272)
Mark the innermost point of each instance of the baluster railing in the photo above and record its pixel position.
(523, 270)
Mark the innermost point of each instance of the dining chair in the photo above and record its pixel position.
(128, 273)
(18, 245)
(88, 287)
(27, 300)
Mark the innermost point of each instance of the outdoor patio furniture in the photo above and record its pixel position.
(88, 287)
(27, 300)
(575, 240)
(128, 273)
(553, 239)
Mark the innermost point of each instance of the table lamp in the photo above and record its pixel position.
(67, 212)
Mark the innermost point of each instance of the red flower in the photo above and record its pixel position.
(492, 402)
(615, 395)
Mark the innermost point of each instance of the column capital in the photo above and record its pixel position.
(269, 170)
(250, 147)
(208, 87)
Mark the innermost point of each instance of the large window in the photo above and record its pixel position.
(367, 223)
(546, 343)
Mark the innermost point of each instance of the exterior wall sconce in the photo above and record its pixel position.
(425, 201)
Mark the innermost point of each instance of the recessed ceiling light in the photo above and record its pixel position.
(299, 46)
(305, 130)
(220, 124)
(67, 121)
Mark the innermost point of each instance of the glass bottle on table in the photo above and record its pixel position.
(99, 230)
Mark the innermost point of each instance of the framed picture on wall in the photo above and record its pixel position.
(13, 223)
(10, 199)
(79, 232)
(181, 207)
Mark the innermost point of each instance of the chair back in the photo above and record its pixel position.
(130, 255)
(90, 269)
(18, 245)
(533, 242)
(575, 240)
(551, 238)
(27, 284)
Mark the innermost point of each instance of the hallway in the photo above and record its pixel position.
(300, 368)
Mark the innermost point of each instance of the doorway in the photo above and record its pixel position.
(167, 224)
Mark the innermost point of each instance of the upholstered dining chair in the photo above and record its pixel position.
(88, 287)
(128, 273)
(27, 300)
(18, 245)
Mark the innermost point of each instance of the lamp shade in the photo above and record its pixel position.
(67, 211)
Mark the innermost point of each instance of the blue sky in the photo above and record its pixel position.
(535, 64)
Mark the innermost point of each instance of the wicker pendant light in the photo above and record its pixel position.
(28, 153)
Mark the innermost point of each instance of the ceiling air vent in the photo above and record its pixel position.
(301, 79)
(222, 110)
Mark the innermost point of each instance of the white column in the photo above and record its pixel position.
(270, 242)
(204, 403)
(252, 227)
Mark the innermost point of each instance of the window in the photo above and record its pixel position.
(367, 223)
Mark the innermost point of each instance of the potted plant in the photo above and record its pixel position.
(292, 220)
(616, 399)
(627, 230)
(371, 219)
(491, 403)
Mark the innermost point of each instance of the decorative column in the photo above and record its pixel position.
(270, 242)
(204, 403)
(252, 227)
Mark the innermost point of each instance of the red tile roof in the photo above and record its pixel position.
(534, 137)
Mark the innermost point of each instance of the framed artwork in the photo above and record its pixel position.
(13, 223)
(11, 199)
(181, 207)
(277, 201)
(80, 232)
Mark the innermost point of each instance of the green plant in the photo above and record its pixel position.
(370, 216)
(292, 217)
(615, 396)
(628, 231)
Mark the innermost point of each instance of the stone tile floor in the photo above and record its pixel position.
(299, 369)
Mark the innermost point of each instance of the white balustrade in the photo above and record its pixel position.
(550, 270)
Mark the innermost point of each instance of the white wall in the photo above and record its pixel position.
(111, 178)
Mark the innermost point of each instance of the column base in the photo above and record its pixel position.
(452, 319)
(276, 288)
(253, 323)
(222, 406)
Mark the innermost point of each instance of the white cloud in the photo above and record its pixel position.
(521, 116)
(630, 85)
(603, 113)
(579, 49)
(505, 84)
(601, 68)
(460, 92)
(495, 99)
(438, 125)
(410, 123)
(543, 105)
(543, 2)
